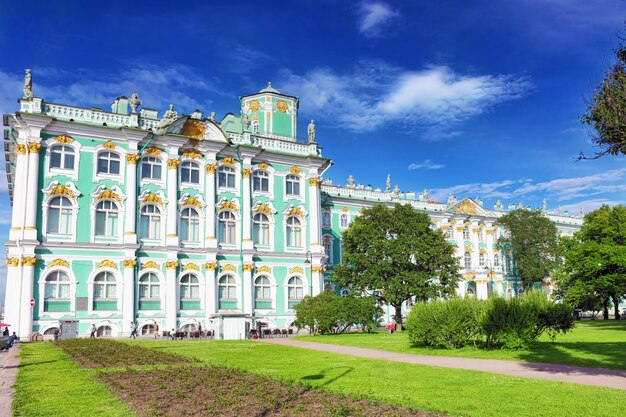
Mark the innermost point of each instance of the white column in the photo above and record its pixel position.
(130, 223)
(25, 319)
(172, 204)
(128, 302)
(210, 240)
(19, 194)
(247, 288)
(246, 214)
(32, 191)
(481, 289)
(314, 211)
(211, 300)
(317, 280)
(171, 294)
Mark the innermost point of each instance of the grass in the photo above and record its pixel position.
(50, 384)
(450, 391)
(598, 344)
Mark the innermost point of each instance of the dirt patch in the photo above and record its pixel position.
(106, 353)
(218, 391)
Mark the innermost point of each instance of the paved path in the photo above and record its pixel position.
(8, 371)
(565, 373)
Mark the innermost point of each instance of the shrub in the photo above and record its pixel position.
(509, 323)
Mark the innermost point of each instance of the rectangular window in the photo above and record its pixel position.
(69, 161)
(55, 160)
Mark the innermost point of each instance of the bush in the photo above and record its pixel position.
(509, 323)
(447, 324)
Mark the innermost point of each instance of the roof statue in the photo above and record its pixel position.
(582, 212)
(134, 102)
(169, 117)
(245, 122)
(498, 205)
(559, 211)
(212, 116)
(424, 196)
(451, 199)
(396, 190)
(544, 204)
(350, 181)
(520, 205)
(388, 184)
(311, 132)
(28, 85)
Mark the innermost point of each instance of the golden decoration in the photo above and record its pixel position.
(255, 105)
(256, 117)
(61, 189)
(173, 163)
(445, 227)
(460, 229)
(295, 212)
(508, 251)
(467, 223)
(34, 147)
(452, 222)
(469, 275)
(129, 263)
(248, 267)
(132, 158)
(264, 268)
(296, 270)
(194, 142)
(345, 209)
(63, 139)
(247, 172)
(191, 266)
(264, 208)
(495, 227)
(108, 195)
(482, 226)
(483, 251)
(29, 261)
(315, 182)
(192, 153)
(13, 261)
(295, 170)
(21, 149)
(318, 268)
(152, 198)
(489, 231)
(228, 267)
(469, 249)
(150, 264)
(194, 129)
(59, 262)
(228, 205)
(262, 165)
(210, 266)
(108, 145)
(171, 265)
(475, 230)
(229, 160)
(153, 151)
(328, 239)
(282, 106)
(491, 274)
(192, 201)
(107, 263)
(466, 207)
(210, 168)
(496, 250)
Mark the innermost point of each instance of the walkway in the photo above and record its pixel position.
(8, 371)
(564, 373)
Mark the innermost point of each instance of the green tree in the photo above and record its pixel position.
(606, 109)
(595, 259)
(395, 254)
(534, 243)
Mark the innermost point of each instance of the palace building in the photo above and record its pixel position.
(184, 221)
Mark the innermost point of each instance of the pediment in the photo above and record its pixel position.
(469, 207)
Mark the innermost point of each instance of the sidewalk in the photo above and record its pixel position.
(8, 372)
(564, 373)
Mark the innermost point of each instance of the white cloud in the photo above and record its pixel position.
(426, 164)
(375, 17)
(376, 94)
(590, 205)
(498, 189)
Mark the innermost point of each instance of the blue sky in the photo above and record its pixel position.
(480, 98)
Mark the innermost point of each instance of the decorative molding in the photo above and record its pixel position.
(210, 266)
(229, 160)
(210, 168)
(171, 264)
(192, 266)
(296, 211)
(191, 200)
(34, 147)
(265, 208)
(296, 270)
(452, 222)
(264, 268)
(475, 230)
(262, 165)
(129, 263)
(59, 262)
(150, 264)
(247, 172)
(54, 189)
(483, 251)
(469, 249)
(469, 275)
(228, 205)
(63, 139)
(460, 228)
(21, 149)
(318, 269)
(13, 262)
(107, 263)
(248, 267)
(108, 145)
(194, 129)
(153, 151)
(489, 231)
(192, 153)
(228, 267)
(132, 158)
(315, 182)
(152, 198)
(345, 209)
(173, 163)
(295, 170)
(108, 194)
(29, 261)
(466, 207)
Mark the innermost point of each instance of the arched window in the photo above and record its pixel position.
(149, 287)
(51, 331)
(104, 331)
(227, 288)
(151, 168)
(189, 225)
(328, 249)
(481, 234)
(148, 329)
(262, 289)
(189, 173)
(344, 219)
(450, 232)
(466, 233)
(508, 264)
(261, 181)
(467, 260)
(261, 229)
(108, 163)
(189, 287)
(326, 219)
(255, 126)
(106, 219)
(104, 292)
(150, 222)
(57, 286)
(295, 289)
(226, 230)
(226, 177)
(62, 157)
(481, 260)
(292, 185)
(190, 327)
(60, 212)
(294, 229)
(496, 260)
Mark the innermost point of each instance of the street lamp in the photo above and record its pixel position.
(307, 262)
(490, 276)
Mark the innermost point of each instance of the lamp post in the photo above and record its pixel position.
(308, 263)
(490, 276)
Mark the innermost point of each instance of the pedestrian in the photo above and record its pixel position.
(133, 330)
(5, 332)
(173, 334)
(393, 326)
(92, 331)
(156, 329)
(12, 339)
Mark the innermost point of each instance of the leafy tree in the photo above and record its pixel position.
(534, 243)
(606, 110)
(595, 259)
(396, 255)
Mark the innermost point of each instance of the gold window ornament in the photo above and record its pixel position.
(264, 268)
(129, 263)
(108, 145)
(64, 139)
(132, 158)
(107, 263)
(59, 262)
(191, 266)
(171, 265)
(150, 265)
(228, 267)
(210, 266)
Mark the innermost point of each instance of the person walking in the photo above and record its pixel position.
(92, 331)
(133, 330)
(156, 329)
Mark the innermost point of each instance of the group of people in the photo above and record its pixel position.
(10, 341)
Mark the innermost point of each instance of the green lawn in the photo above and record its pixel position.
(452, 391)
(596, 343)
(50, 384)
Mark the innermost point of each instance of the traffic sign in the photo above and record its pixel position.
(32, 302)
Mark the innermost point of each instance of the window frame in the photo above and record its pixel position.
(192, 166)
(293, 179)
(232, 220)
(152, 161)
(150, 216)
